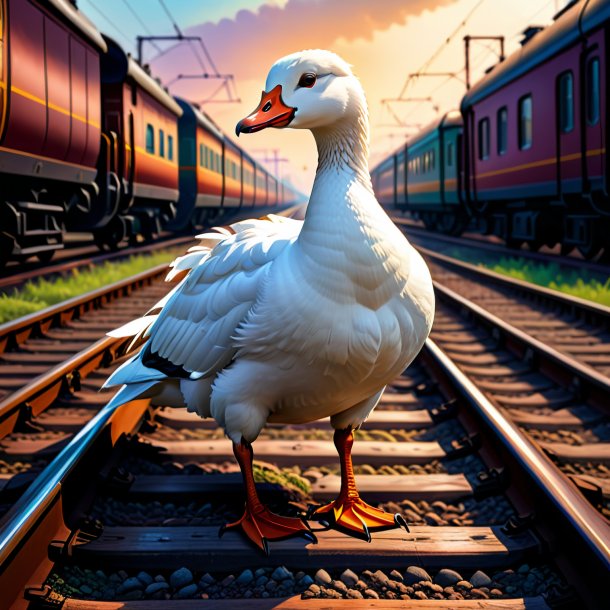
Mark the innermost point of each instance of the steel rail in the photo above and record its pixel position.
(559, 366)
(17, 331)
(586, 521)
(554, 296)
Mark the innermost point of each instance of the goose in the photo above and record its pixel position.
(279, 320)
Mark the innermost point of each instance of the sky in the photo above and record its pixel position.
(383, 40)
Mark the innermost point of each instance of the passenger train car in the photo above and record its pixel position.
(525, 158)
(90, 141)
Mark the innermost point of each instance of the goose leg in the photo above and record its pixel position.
(349, 512)
(258, 522)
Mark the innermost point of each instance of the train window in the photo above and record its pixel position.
(484, 138)
(565, 92)
(502, 130)
(134, 94)
(432, 160)
(201, 155)
(170, 148)
(161, 143)
(450, 153)
(150, 139)
(593, 91)
(525, 122)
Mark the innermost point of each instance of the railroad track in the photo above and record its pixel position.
(421, 237)
(82, 257)
(118, 511)
(128, 508)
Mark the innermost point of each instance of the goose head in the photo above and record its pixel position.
(312, 89)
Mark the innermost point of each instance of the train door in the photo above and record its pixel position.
(569, 169)
(593, 141)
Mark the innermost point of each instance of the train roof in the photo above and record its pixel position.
(78, 20)
(151, 86)
(203, 119)
(570, 24)
(453, 118)
(117, 66)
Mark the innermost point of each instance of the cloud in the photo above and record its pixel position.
(248, 45)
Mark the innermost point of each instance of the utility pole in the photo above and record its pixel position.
(467, 40)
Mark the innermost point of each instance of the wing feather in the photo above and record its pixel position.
(196, 327)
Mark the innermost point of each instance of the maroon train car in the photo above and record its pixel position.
(143, 117)
(49, 122)
(536, 166)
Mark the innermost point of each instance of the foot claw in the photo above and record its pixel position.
(261, 525)
(357, 518)
(400, 521)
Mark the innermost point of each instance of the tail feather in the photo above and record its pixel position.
(129, 392)
(133, 372)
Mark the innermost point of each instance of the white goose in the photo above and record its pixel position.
(294, 321)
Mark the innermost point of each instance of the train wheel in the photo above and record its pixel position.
(45, 256)
(566, 249)
(591, 250)
(449, 223)
(110, 237)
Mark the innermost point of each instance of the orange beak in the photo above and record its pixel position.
(271, 112)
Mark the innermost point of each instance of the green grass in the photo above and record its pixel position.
(41, 293)
(583, 284)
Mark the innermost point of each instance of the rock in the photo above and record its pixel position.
(245, 578)
(480, 579)
(361, 585)
(130, 584)
(228, 581)
(186, 592)
(464, 584)
(379, 578)
(349, 578)
(123, 575)
(86, 589)
(306, 580)
(447, 578)
(160, 578)
(353, 594)
(271, 586)
(307, 594)
(331, 593)
(524, 569)
(340, 586)
(259, 572)
(420, 595)
(132, 595)
(145, 577)
(478, 594)
(281, 573)
(396, 575)
(432, 587)
(370, 594)
(207, 579)
(415, 574)
(156, 586)
(261, 581)
(315, 589)
(322, 577)
(180, 578)
(495, 593)
(433, 519)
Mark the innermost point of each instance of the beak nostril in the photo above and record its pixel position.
(267, 107)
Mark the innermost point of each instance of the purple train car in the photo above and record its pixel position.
(536, 169)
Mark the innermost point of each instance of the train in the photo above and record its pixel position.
(91, 142)
(524, 158)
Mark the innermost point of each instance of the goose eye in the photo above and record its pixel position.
(307, 80)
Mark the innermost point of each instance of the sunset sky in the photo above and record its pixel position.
(384, 40)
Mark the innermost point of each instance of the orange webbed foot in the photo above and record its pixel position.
(261, 525)
(357, 518)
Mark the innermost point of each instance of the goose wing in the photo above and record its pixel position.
(192, 331)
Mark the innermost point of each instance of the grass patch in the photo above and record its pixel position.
(583, 284)
(42, 292)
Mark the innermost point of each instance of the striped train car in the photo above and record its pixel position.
(529, 164)
(90, 141)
